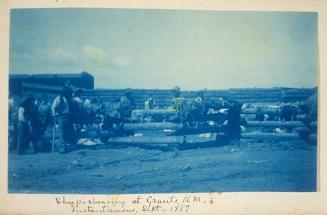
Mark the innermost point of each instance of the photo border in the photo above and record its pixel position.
(222, 203)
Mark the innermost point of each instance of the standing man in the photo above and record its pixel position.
(199, 104)
(61, 110)
(176, 102)
(23, 130)
(149, 103)
(78, 113)
(234, 120)
(198, 109)
(12, 124)
(126, 105)
(182, 107)
(40, 121)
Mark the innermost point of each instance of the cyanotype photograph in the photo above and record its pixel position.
(136, 101)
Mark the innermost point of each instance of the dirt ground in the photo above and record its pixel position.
(252, 166)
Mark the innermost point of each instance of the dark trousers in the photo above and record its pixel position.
(23, 137)
(36, 137)
(12, 137)
(67, 132)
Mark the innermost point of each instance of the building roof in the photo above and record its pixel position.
(69, 75)
(41, 86)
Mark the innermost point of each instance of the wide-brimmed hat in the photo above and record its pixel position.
(127, 92)
(78, 91)
(176, 89)
(67, 89)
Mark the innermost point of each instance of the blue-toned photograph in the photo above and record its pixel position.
(136, 101)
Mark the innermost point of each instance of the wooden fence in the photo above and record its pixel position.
(245, 95)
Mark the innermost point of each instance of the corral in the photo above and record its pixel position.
(160, 155)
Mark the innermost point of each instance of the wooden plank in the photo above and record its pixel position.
(152, 112)
(188, 139)
(170, 112)
(105, 134)
(152, 126)
(188, 131)
(258, 100)
(274, 124)
(286, 136)
(256, 135)
(263, 96)
(246, 93)
(254, 90)
(262, 110)
(145, 140)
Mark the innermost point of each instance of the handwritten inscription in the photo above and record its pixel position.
(141, 204)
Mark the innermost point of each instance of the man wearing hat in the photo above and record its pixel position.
(180, 105)
(176, 91)
(61, 110)
(126, 105)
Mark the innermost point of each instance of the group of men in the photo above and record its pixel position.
(28, 121)
(201, 111)
(67, 115)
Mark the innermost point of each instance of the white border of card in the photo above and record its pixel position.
(200, 203)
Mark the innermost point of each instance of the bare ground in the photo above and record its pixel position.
(253, 166)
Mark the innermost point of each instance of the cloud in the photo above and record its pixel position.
(58, 56)
(121, 62)
(95, 55)
(87, 57)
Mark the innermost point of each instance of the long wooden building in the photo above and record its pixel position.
(47, 84)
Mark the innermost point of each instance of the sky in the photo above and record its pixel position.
(140, 48)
